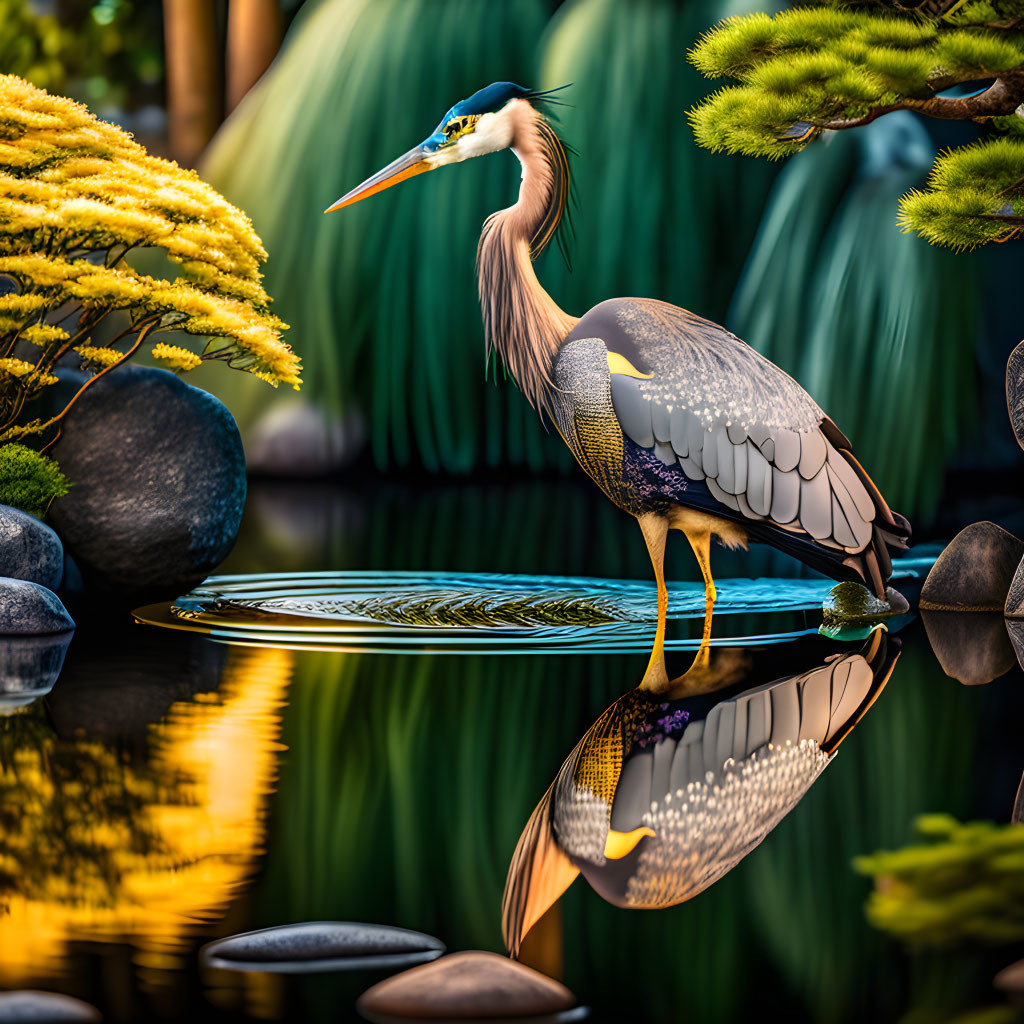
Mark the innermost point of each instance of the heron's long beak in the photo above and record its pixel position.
(406, 166)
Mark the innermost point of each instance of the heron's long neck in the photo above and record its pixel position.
(521, 321)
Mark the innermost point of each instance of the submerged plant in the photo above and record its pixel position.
(77, 196)
(834, 66)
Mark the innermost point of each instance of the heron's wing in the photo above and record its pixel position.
(711, 408)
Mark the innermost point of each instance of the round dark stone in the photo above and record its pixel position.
(29, 549)
(29, 666)
(118, 679)
(975, 570)
(44, 1008)
(467, 986)
(322, 946)
(29, 608)
(159, 484)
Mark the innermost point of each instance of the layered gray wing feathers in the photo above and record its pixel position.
(727, 416)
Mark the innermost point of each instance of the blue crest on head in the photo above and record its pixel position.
(484, 101)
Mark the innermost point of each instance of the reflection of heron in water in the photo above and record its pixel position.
(677, 420)
(660, 799)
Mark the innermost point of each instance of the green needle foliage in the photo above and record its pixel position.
(834, 66)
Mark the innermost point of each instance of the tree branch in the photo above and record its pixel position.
(1003, 96)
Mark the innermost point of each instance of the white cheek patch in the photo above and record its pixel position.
(493, 132)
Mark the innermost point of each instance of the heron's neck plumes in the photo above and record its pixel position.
(521, 321)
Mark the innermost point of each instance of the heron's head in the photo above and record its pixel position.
(484, 123)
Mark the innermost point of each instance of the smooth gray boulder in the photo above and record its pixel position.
(159, 485)
(296, 439)
(974, 572)
(28, 608)
(29, 549)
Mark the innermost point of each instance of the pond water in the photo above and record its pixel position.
(379, 757)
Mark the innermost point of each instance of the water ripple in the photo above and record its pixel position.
(453, 612)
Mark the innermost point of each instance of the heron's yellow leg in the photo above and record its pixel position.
(655, 530)
(700, 541)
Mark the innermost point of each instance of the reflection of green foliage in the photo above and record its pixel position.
(28, 480)
(482, 611)
(963, 883)
(421, 772)
(105, 52)
(865, 318)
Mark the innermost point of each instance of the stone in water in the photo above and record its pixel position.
(467, 986)
(316, 946)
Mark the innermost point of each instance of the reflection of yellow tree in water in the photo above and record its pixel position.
(93, 847)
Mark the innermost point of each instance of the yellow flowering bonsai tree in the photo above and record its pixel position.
(77, 195)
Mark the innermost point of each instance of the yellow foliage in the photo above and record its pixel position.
(43, 334)
(16, 367)
(175, 356)
(77, 195)
(99, 354)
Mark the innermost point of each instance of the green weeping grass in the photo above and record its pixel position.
(657, 216)
(879, 328)
(382, 296)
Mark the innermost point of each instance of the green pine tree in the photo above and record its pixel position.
(835, 65)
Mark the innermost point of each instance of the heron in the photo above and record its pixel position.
(659, 800)
(679, 422)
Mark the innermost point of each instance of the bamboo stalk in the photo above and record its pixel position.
(193, 77)
(254, 37)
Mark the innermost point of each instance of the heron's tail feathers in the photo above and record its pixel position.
(891, 530)
(538, 875)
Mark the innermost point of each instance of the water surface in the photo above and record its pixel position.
(174, 787)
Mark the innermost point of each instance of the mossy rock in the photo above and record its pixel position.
(850, 604)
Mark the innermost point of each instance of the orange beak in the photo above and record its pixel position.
(406, 166)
